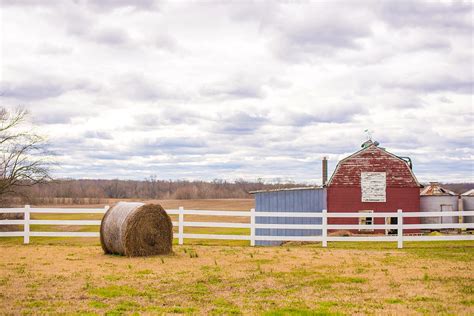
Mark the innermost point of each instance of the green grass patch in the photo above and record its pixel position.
(224, 307)
(97, 304)
(114, 291)
(145, 272)
(394, 301)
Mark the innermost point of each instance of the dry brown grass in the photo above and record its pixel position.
(422, 279)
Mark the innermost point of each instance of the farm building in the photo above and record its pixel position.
(306, 199)
(373, 180)
(468, 205)
(435, 198)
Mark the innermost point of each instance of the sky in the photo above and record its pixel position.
(204, 90)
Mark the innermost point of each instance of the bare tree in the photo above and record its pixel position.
(23, 159)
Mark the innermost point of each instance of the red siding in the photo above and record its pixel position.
(349, 200)
(344, 189)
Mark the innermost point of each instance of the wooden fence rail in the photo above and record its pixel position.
(26, 233)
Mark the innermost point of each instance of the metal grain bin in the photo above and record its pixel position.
(306, 199)
(434, 198)
(468, 205)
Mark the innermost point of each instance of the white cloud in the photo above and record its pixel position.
(255, 89)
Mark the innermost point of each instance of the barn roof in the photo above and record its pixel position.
(434, 189)
(468, 193)
(370, 147)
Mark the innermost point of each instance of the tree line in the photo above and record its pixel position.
(91, 191)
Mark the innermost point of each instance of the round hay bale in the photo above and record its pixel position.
(136, 229)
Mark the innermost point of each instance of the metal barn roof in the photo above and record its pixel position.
(287, 189)
(434, 189)
(468, 193)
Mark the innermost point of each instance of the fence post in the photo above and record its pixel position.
(26, 225)
(181, 225)
(400, 229)
(252, 227)
(324, 222)
(106, 208)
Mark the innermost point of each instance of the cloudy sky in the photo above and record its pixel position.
(241, 89)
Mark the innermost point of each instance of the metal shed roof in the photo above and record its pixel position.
(287, 189)
(468, 193)
(434, 189)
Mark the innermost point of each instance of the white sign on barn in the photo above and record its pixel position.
(373, 185)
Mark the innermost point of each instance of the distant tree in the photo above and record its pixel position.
(23, 159)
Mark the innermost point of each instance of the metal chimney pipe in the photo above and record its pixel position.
(325, 170)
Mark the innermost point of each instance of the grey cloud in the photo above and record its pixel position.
(455, 15)
(444, 99)
(111, 36)
(58, 115)
(30, 2)
(168, 116)
(323, 113)
(166, 42)
(98, 135)
(239, 87)
(338, 116)
(53, 49)
(139, 87)
(101, 5)
(31, 90)
(436, 83)
(176, 146)
(43, 88)
(240, 123)
(320, 31)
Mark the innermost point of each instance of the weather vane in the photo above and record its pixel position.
(368, 133)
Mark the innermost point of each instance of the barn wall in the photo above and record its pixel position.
(349, 200)
(306, 200)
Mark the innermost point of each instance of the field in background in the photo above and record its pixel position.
(347, 278)
(215, 204)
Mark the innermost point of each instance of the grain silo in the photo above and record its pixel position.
(305, 199)
(435, 198)
(468, 205)
(373, 180)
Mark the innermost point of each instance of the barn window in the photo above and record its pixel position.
(373, 186)
(391, 221)
(366, 220)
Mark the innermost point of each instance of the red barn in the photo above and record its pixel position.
(373, 180)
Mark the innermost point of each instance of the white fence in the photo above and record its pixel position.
(400, 227)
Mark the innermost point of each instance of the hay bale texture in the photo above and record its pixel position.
(136, 229)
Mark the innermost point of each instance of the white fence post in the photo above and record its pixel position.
(26, 225)
(400, 229)
(324, 223)
(252, 227)
(106, 208)
(181, 225)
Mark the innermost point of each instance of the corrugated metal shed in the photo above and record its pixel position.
(306, 199)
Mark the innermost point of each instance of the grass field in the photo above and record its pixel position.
(424, 278)
(73, 276)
